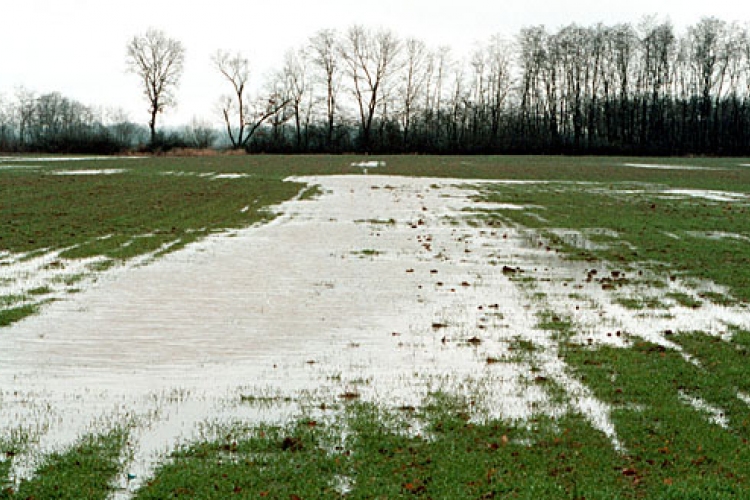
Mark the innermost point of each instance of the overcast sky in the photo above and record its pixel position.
(77, 47)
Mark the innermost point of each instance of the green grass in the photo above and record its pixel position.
(310, 193)
(549, 320)
(145, 209)
(729, 360)
(128, 214)
(85, 471)
(367, 252)
(47, 211)
(272, 462)
(42, 290)
(9, 300)
(640, 303)
(381, 458)
(5, 462)
(672, 450)
(13, 314)
(684, 299)
(388, 222)
(644, 222)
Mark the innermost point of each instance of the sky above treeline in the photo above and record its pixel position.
(78, 47)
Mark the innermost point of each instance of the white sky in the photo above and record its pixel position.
(77, 47)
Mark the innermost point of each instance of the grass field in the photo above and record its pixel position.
(681, 414)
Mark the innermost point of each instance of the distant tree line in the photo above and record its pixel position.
(53, 123)
(621, 89)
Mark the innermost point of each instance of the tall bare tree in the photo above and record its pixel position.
(235, 68)
(6, 124)
(531, 59)
(440, 65)
(200, 133)
(415, 77)
(24, 110)
(370, 59)
(296, 83)
(159, 61)
(498, 80)
(241, 116)
(325, 56)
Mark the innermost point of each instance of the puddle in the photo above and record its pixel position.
(313, 308)
(718, 235)
(31, 162)
(714, 414)
(502, 206)
(209, 175)
(231, 176)
(101, 171)
(707, 195)
(22, 273)
(43, 276)
(667, 167)
(56, 159)
(18, 166)
(580, 240)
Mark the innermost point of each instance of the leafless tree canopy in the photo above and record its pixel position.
(243, 115)
(158, 61)
(370, 59)
(640, 88)
(324, 57)
(235, 68)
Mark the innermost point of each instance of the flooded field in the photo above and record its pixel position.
(382, 289)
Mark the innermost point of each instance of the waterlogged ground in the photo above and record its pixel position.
(383, 289)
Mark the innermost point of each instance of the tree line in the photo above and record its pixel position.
(53, 123)
(623, 89)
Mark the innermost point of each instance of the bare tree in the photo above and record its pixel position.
(415, 77)
(532, 58)
(732, 57)
(370, 59)
(123, 131)
(440, 65)
(200, 133)
(296, 84)
(235, 68)
(7, 130)
(325, 55)
(572, 48)
(158, 61)
(498, 79)
(641, 88)
(280, 106)
(25, 107)
(238, 108)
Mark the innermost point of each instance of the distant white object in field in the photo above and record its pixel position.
(369, 164)
(364, 165)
